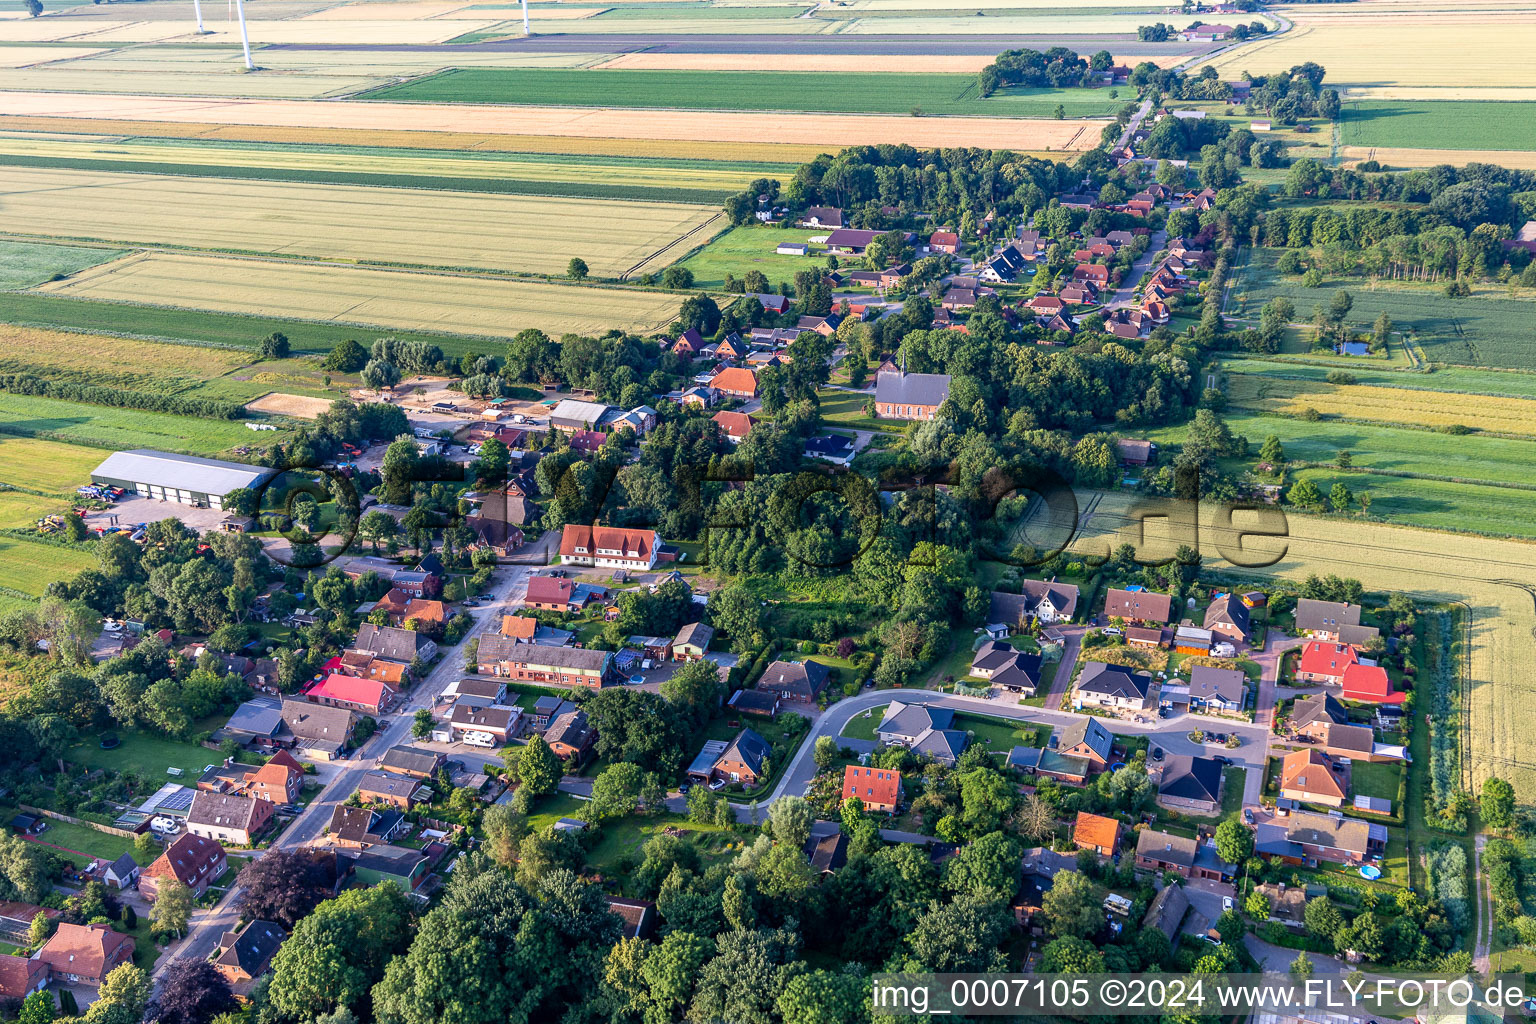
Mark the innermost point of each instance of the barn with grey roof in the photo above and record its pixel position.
(184, 479)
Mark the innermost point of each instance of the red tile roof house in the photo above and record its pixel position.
(736, 381)
(85, 954)
(878, 788)
(1325, 663)
(20, 976)
(1091, 272)
(370, 696)
(1078, 294)
(1370, 683)
(1046, 305)
(944, 241)
(275, 781)
(550, 594)
(1312, 777)
(734, 425)
(609, 547)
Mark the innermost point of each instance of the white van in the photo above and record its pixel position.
(479, 739)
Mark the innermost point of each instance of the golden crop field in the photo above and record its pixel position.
(396, 225)
(1404, 50)
(456, 304)
(580, 122)
(131, 152)
(230, 82)
(81, 356)
(1382, 404)
(1390, 156)
(26, 56)
(1494, 579)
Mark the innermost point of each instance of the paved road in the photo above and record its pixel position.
(209, 925)
(1135, 122)
(1061, 682)
(892, 45)
(1268, 661)
(1125, 294)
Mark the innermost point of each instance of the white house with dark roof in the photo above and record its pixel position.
(1045, 600)
(923, 729)
(1113, 686)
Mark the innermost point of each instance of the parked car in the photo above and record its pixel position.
(485, 597)
(1112, 631)
(1220, 759)
(1157, 753)
(1248, 815)
(1226, 903)
(717, 785)
(684, 787)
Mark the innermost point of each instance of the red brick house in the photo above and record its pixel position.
(878, 788)
(944, 241)
(1091, 272)
(734, 425)
(85, 954)
(194, 861)
(550, 594)
(736, 381)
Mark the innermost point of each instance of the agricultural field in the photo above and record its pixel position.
(485, 307)
(660, 179)
(20, 510)
(46, 466)
(1439, 124)
(1486, 329)
(1445, 50)
(750, 248)
(1495, 580)
(1458, 379)
(342, 222)
(30, 567)
(104, 426)
(814, 129)
(874, 93)
(1389, 405)
(25, 264)
(1398, 157)
(1437, 504)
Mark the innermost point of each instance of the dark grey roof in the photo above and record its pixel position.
(390, 642)
(223, 810)
(1023, 673)
(316, 721)
(1085, 729)
(760, 701)
(570, 727)
(484, 686)
(1113, 680)
(252, 948)
(834, 445)
(473, 716)
(125, 866)
(184, 472)
(1167, 911)
(580, 658)
(1024, 757)
(1320, 706)
(1207, 681)
(827, 853)
(749, 748)
(363, 824)
(803, 678)
(1166, 847)
(913, 720)
(911, 388)
(1228, 608)
(697, 634)
(386, 784)
(1147, 605)
(257, 717)
(411, 759)
(944, 744)
(993, 655)
(1325, 616)
(1191, 778)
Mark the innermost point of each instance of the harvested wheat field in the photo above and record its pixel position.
(408, 10)
(426, 140)
(1494, 579)
(357, 33)
(230, 82)
(493, 307)
(28, 56)
(1520, 160)
(1402, 51)
(290, 405)
(1383, 404)
(588, 122)
(91, 358)
(1397, 92)
(424, 227)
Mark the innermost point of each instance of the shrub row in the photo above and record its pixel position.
(206, 408)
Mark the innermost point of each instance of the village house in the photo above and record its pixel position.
(797, 681)
(21, 976)
(84, 954)
(744, 760)
(1312, 715)
(1044, 600)
(227, 818)
(367, 696)
(194, 861)
(393, 644)
(692, 642)
(1325, 663)
(1094, 272)
(1227, 617)
(609, 547)
(879, 789)
(1085, 739)
(688, 344)
(821, 217)
(1007, 667)
(1306, 836)
(1166, 911)
(1046, 305)
(1113, 686)
(734, 425)
(401, 792)
(319, 733)
(1333, 621)
(471, 716)
(1313, 777)
(1136, 604)
(1096, 833)
(754, 702)
(736, 381)
(540, 663)
(1370, 684)
(359, 828)
(1005, 267)
(1190, 783)
(550, 594)
(417, 762)
(571, 415)
(923, 729)
(1217, 689)
(638, 916)
(1163, 851)
(243, 956)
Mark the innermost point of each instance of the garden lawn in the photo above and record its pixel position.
(1379, 779)
(84, 839)
(748, 248)
(148, 756)
(551, 808)
(1000, 735)
(623, 840)
(862, 726)
(846, 409)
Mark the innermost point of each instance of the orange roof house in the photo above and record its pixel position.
(878, 788)
(425, 611)
(735, 380)
(1370, 683)
(86, 953)
(609, 547)
(519, 627)
(1313, 777)
(1096, 832)
(734, 425)
(276, 782)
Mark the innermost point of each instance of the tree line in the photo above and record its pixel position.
(121, 398)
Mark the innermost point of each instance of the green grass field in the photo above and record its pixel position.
(25, 264)
(104, 426)
(1489, 477)
(165, 323)
(87, 840)
(1439, 124)
(146, 755)
(1455, 379)
(1381, 779)
(1485, 329)
(848, 92)
(31, 567)
(743, 249)
(846, 409)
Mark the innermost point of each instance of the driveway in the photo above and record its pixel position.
(1061, 682)
(1268, 660)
